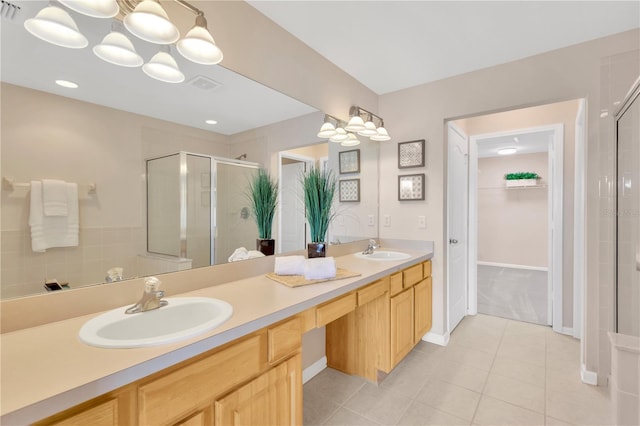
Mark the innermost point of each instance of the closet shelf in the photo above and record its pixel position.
(514, 187)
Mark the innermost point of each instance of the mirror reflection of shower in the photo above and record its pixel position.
(196, 208)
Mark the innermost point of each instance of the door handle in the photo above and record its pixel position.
(453, 241)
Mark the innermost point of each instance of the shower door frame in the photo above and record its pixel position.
(633, 95)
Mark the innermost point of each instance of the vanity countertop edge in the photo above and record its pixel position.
(46, 369)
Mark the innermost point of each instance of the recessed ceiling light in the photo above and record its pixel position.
(515, 139)
(212, 122)
(604, 113)
(507, 151)
(67, 84)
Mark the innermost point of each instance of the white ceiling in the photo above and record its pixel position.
(525, 143)
(392, 45)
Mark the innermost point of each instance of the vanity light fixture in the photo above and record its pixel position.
(352, 140)
(338, 132)
(117, 49)
(198, 45)
(163, 67)
(507, 151)
(54, 25)
(150, 22)
(146, 19)
(94, 8)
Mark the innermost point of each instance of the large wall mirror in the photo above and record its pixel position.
(103, 132)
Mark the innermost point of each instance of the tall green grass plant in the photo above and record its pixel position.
(263, 195)
(319, 185)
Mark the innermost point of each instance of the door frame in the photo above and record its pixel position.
(555, 218)
(291, 156)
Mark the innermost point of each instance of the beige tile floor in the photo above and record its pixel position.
(493, 372)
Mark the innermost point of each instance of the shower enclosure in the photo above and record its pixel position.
(197, 208)
(628, 216)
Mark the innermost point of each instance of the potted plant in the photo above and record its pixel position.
(319, 186)
(263, 195)
(521, 179)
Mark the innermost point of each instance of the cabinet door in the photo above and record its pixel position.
(422, 305)
(402, 322)
(274, 398)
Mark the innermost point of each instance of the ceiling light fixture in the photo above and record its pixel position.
(337, 131)
(211, 122)
(507, 151)
(54, 25)
(67, 84)
(117, 49)
(163, 67)
(93, 8)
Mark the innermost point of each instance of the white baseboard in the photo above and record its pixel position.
(311, 371)
(510, 265)
(588, 377)
(438, 339)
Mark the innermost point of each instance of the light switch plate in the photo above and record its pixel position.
(387, 220)
(370, 219)
(422, 222)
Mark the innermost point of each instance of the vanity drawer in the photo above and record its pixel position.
(308, 319)
(102, 414)
(412, 275)
(284, 339)
(167, 399)
(396, 283)
(334, 309)
(426, 269)
(373, 291)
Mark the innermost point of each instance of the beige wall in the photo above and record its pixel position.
(420, 112)
(512, 222)
(554, 113)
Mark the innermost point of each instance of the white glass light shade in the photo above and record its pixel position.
(507, 151)
(150, 22)
(93, 8)
(117, 49)
(340, 135)
(54, 25)
(369, 129)
(164, 68)
(198, 45)
(351, 140)
(327, 130)
(381, 136)
(355, 124)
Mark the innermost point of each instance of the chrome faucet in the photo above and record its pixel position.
(151, 299)
(371, 247)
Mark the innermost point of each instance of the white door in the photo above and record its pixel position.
(292, 208)
(457, 229)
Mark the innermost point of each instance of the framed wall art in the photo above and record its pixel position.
(411, 187)
(349, 190)
(349, 161)
(411, 154)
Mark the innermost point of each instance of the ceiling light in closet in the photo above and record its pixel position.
(507, 151)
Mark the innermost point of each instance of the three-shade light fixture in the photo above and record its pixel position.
(345, 133)
(146, 19)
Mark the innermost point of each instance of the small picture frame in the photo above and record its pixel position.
(349, 161)
(411, 154)
(411, 187)
(349, 190)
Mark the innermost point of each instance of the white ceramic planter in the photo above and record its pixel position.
(521, 182)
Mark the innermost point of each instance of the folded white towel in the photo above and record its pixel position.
(54, 198)
(320, 268)
(53, 231)
(289, 265)
(242, 253)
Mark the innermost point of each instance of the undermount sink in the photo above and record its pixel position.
(182, 318)
(384, 255)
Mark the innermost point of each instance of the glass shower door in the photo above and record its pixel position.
(628, 218)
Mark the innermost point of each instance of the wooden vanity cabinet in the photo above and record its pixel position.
(256, 379)
(381, 331)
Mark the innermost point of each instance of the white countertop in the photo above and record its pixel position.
(46, 369)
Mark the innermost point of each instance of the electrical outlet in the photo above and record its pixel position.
(422, 222)
(387, 220)
(371, 221)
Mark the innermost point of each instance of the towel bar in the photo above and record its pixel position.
(21, 189)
